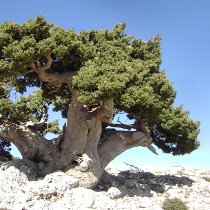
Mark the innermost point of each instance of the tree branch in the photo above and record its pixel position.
(138, 126)
(55, 78)
(120, 141)
(38, 125)
(107, 111)
(124, 126)
(31, 144)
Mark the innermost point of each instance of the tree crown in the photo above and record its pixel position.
(105, 64)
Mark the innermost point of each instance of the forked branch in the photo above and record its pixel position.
(55, 78)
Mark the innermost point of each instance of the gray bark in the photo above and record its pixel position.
(119, 141)
(30, 143)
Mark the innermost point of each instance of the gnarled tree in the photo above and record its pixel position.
(89, 77)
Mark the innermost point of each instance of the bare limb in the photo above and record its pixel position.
(138, 126)
(133, 167)
(55, 78)
(31, 144)
(120, 141)
(38, 125)
(124, 126)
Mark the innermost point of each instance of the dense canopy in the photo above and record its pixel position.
(103, 65)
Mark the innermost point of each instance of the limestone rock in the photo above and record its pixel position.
(81, 197)
(26, 166)
(52, 187)
(120, 190)
(114, 193)
(11, 180)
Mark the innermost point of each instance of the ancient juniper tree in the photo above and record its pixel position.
(89, 77)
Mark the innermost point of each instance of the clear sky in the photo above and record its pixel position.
(184, 26)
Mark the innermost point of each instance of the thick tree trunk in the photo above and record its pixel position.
(75, 137)
(79, 150)
(89, 169)
(85, 149)
(83, 153)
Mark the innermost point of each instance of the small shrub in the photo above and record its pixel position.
(174, 204)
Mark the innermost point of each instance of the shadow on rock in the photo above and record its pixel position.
(141, 183)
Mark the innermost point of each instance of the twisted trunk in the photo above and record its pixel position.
(82, 151)
(85, 149)
(79, 150)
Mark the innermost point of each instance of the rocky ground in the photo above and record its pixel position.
(129, 189)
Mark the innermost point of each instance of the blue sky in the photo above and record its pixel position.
(185, 30)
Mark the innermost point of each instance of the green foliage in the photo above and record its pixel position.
(107, 64)
(5, 148)
(20, 44)
(26, 108)
(52, 127)
(174, 204)
(178, 132)
(31, 108)
(59, 98)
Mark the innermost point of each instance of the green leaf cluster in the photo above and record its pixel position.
(5, 148)
(179, 132)
(20, 44)
(26, 108)
(31, 108)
